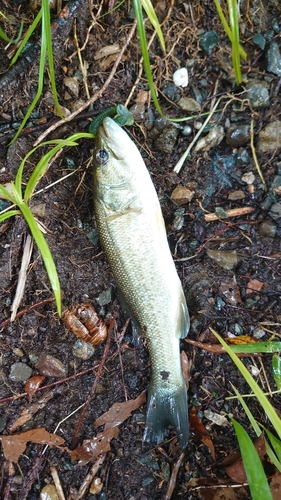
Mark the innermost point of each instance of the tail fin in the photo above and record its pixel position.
(165, 408)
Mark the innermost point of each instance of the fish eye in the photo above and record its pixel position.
(102, 156)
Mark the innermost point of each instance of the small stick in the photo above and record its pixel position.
(233, 212)
(57, 482)
(255, 156)
(28, 247)
(90, 476)
(27, 309)
(173, 478)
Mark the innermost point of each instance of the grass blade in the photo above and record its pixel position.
(45, 252)
(254, 470)
(276, 367)
(145, 55)
(255, 347)
(7, 215)
(26, 37)
(150, 12)
(227, 29)
(234, 26)
(248, 412)
(264, 402)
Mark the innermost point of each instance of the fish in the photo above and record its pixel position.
(133, 237)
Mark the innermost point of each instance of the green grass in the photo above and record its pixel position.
(14, 193)
(232, 32)
(258, 483)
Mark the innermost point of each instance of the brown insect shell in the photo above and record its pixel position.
(75, 325)
(95, 326)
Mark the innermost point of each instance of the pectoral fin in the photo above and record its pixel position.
(183, 320)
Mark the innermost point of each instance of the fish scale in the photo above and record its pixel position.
(133, 237)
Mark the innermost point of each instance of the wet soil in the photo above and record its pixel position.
(225, 299)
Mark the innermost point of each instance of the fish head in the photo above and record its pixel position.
(117, 164)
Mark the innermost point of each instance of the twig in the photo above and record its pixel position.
(224, 228)
(94, 386)
(32, 475)
(11, 473)
(90, 476)
(185, 155)
(82, 65)
(234, 212)
(26, 310)
(173, 478)
(97, 95)
(57, 482)
(255, 156)
(27, 251)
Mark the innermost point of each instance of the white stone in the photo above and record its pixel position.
(180, 77)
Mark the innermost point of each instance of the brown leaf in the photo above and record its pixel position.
(237, 471)
(185, 369)
(275, 486)
(201, 432)
(255, 286)
(14, 446)
(231, 292)
(92, 448)
(27, 413)
(119, 412)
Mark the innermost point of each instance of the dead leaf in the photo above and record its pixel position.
(14, 446)
(275, 486)
(185, 369)
(230, 292)
(119, 412)
(201, 432)
(116, 415)
(92, 448)
(107, 51)
(27, 413)
(236, 471)
(255, 286)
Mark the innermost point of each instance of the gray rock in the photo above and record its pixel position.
(275, 211)
(208, 41)
(227, 260)
(20, 372)
(273, 59)
(83, 350)
(166, 140)
(189, 104)
(237, 136)
(267, 228)
(269, 138)
(258, 95)
(259, 40)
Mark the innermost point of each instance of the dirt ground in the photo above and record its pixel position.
(229, 267)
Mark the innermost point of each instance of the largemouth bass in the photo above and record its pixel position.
(133, 237)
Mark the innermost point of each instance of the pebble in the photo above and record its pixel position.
(275, 211)
(214, 138)
(171, 91)
(186, 130)
(83, 350)
(243, 157)
(273, 59)
(269, 138)
(259, 40)
(237, 136)
(180, 77)
(105, 297)
(236, 195)
(49, 492)
(96, 486)
(248, 178)
(72, 84)
(216, 418)
(258, 333)
(178, 220)
(182, 195)
(166, 141)
(258, 95)
(267, 228)
(227, 260)
(189, 104)
(276, 185)
(20, 372)
(51, 367)
(208, 41)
